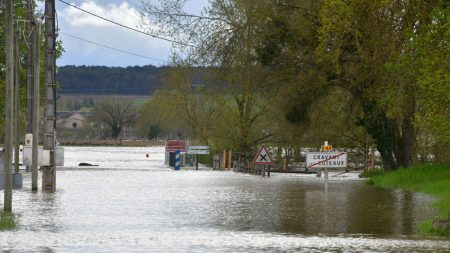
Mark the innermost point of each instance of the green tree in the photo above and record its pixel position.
(361, 39)
(20, 14)
(116, 114)
(149, 122)
(430, 63)
(225, 38)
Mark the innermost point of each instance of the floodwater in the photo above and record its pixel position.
(131, 203)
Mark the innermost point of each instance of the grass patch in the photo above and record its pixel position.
(427, 228)
(372, 173)
(433, 179)
(7, 221)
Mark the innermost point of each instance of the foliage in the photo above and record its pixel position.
(7, 221)
(108, 80)
(20, 13)
(431, 59)
(116, 114)
(371, 174)
(361, 40)
(427, 228)
(149, 120)
(230, 36)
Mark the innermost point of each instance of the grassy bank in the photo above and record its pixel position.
(7, 221)
(431, 179)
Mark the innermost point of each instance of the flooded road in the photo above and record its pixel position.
(130, 203)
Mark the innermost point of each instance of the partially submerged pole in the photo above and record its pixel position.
(30, 61)
(7, 206)
(49, 169)
(196, 162)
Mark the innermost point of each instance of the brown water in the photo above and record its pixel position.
(130, 203)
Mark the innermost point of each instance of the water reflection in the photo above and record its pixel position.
(134, 204)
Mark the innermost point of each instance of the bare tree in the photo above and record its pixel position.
(116, 114)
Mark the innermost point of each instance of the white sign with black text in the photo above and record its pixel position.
(326, 160)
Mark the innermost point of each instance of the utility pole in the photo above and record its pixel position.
(30, 78)
(16, 104)
(49, 170)
(7, 207)
(35, 105)
(17, 177)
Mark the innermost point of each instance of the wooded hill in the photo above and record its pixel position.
(134, 80)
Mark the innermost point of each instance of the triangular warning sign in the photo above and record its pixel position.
(263, 157)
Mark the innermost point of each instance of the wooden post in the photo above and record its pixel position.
(230, 167)
(224, 160)
(7, 206)
(372, 158)
(196, 162)
(49, 171)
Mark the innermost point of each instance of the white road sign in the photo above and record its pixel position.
(198, 150)
(263, 157)
(326, 160)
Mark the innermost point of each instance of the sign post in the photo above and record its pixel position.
(177, 159)
(263, 158)
(198, 150)
(326, 160)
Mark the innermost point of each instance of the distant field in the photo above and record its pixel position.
(84, 102)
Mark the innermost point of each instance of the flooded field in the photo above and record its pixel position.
(131, 203)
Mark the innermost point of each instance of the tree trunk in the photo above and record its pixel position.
(408, 134)
(382, 131)
(115, 132)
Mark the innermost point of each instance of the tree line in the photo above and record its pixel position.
(132, 80)
(136, 80)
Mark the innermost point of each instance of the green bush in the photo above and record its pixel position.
(7, 221)
(206, 159)
(427, 228)
(371, 173)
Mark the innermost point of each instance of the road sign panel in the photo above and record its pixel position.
(198, 150)
(326, 160)
(263, 157)
(198, 147)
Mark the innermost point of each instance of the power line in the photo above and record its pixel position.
(112, 48)
(124, 26)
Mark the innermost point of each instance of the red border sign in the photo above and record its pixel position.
(263, 157)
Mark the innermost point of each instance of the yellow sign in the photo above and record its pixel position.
(326, 148)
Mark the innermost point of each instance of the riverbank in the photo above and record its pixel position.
(431, 179)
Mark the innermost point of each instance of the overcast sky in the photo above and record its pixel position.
(73, 22)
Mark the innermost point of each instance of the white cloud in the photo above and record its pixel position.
(80, 24)
(83, 25)
(123, 14)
